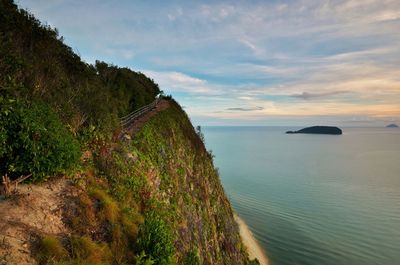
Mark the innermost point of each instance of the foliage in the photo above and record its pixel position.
(101, 216)
(110, 209)
(192, 258)
(132, 89)
(155, 239)
(85, 251)
(34, 141)
(81, 251)
(143, 259)
(36, 65)
(200, 133)
(50, 250)
(186, 189)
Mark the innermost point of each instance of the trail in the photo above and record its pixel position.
(139, 122)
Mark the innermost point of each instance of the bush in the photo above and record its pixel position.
(34, 141)
(155, 239)
(142, 259)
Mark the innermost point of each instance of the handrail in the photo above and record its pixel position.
(129, 118)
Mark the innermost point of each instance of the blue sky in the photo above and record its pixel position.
(249, 62)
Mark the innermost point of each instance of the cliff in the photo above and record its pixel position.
(96, 193)
(187, 189)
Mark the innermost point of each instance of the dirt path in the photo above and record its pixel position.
(141, 121)
(36, 209)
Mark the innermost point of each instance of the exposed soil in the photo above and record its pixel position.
(34, 210)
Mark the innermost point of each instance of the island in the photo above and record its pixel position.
(392, 125)
(319, 130)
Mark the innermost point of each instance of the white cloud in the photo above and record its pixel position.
(259, 53)
(179, 82)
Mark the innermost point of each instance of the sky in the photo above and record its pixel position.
(272, 63)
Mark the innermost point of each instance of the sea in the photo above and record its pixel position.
(314, 199)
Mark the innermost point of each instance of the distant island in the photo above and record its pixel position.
(319, 130)
(392, 126)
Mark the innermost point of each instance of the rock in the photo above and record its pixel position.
(319, 130)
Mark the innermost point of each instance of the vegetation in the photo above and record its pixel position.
(50, 250)
(45, 89)
(83, 251)
(155, 239)
(186, 191)
(191, 258)
(153, 199)
(34, 141)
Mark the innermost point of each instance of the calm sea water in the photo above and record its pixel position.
(314, 199)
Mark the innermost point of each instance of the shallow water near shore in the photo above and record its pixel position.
(314, 199)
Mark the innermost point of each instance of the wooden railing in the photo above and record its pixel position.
(127, 120)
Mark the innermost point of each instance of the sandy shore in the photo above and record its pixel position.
(253, 248)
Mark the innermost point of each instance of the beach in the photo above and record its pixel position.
(253, 248)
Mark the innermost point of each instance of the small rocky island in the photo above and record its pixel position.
(319, 130)
(392, 126)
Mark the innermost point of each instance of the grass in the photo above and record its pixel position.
(85, 251)
(109, 208)
(50, 250)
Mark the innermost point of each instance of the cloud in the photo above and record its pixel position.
(245, 109)
(215, 55)
(309, 96)
(180, 82)
(246, 98)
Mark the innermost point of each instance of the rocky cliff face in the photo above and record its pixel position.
(185, 182)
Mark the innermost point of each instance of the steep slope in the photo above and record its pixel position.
(185, 183)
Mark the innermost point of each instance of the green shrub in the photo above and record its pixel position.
(192, 258)
(34, 141)
(156, 240)
(143, 259)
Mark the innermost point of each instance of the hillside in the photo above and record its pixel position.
(152, 196)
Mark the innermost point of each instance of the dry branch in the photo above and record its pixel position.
(7, 184)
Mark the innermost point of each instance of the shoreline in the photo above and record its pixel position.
(253, 247)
